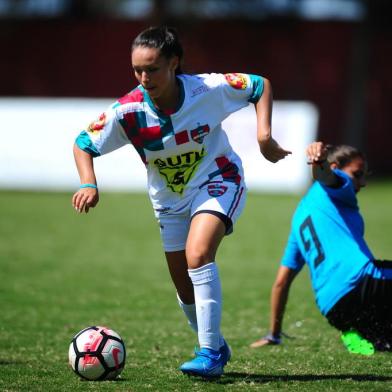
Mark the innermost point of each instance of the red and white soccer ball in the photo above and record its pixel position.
(97, 353)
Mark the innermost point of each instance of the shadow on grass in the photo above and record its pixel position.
(115, 381)
(6, 362)
(233, 377)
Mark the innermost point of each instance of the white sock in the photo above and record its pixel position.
(190, 313)
(208, 301)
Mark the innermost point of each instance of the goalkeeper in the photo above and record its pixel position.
(353, 290)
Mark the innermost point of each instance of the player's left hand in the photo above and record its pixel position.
(267, 340)
(272, 151)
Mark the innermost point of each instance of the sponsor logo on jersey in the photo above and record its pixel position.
(98, 125)
(179, 169)
(237, 80)
(216, 190)
(199, 90)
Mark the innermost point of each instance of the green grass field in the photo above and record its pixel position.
(61, 272)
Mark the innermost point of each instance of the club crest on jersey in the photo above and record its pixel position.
(98, 125)
(237, 80)
(216, 190)
(198, 134)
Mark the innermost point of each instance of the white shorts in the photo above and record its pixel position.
(224, 199)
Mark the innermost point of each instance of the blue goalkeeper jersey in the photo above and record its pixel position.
(327, 233)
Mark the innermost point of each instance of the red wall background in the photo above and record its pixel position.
(344, 68)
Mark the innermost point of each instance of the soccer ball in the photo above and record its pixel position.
(97, 353)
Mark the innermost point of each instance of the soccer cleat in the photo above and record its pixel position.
(356, 344)
(207, 363)
(225, 351)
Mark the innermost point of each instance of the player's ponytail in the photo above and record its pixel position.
(342, 154)
(163, 38)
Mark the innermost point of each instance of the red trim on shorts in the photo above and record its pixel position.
(237, 202)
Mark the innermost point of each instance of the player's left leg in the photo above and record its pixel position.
(213, 212)
(174, 231)
(376, 290)
(205, 235)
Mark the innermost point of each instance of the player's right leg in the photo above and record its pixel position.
(356, 344)
(376, 294)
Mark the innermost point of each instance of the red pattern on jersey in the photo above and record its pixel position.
(181, 137)
(134, 96)
(151, 133)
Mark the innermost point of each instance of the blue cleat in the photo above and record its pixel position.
(225, 352)
(207, 363)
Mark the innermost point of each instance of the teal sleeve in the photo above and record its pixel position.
(84, 142)
(258, 88)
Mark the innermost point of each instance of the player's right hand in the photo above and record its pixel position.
(84, 199)
(316, 152)
(266, 341)
(260, 343)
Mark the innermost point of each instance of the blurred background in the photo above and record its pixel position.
(334, 54)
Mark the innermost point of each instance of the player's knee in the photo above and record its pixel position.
(197, 256)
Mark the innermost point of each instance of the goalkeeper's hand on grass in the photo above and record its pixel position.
(267, 340)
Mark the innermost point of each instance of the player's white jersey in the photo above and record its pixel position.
(183, 150)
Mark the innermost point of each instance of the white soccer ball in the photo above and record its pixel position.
(97, 353)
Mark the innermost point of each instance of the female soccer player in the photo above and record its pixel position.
(195, 179)
(353, 290)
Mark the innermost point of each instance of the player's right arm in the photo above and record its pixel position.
(317, 155)
(291, 263)
(102, 136)
(279, 295)
(85, 198)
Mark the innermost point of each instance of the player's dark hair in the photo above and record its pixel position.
(163, 38)
(342, 154)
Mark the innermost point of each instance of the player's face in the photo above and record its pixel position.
(357, 170)
(154, 72)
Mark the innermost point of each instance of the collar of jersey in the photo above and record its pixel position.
(155, 109)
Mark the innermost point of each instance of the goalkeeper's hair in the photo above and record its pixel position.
(343, 154)
(163, 38)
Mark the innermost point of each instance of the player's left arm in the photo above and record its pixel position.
(269, 147)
